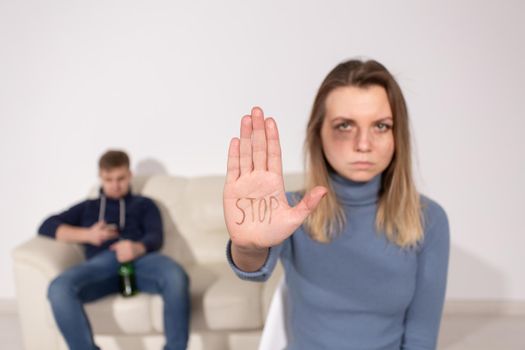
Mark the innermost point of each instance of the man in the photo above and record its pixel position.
(115, 228)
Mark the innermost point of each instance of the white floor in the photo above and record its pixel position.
(10, 333)
(482, 333)
(457, 333)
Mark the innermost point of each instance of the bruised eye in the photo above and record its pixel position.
(343, 126)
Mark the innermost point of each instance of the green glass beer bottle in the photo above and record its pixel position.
(127, 279)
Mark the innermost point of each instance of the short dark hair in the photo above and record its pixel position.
(113, 159)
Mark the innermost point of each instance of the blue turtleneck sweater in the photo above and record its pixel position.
(137, 217)
(362, 292)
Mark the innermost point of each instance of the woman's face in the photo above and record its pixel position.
(356, 134)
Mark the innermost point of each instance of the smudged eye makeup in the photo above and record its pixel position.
(343, 126)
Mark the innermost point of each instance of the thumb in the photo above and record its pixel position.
(309, 202)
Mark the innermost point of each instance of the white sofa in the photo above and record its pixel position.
(226, 313)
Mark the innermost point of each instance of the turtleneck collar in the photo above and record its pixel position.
(355, 193)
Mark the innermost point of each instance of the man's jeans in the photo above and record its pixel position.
(98, 277)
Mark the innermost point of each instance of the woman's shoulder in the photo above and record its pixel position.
(431, 209)
(435, 219)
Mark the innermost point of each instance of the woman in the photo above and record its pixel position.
(365, 256)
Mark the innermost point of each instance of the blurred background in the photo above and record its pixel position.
(168, 81)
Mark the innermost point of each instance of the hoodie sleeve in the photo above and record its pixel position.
(72, 216)
(152, 227)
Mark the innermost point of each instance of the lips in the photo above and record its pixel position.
(362, 164)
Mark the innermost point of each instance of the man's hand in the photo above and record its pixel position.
(127, 250)
(101, 232)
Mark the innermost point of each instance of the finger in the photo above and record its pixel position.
(105, 234)
(245, 148)
(107, 231)
(232, 172)
(109, 236)
(259, 139)
(274, 147)
(123, 255)
(309, 203)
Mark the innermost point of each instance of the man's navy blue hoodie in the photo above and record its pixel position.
(141, 220)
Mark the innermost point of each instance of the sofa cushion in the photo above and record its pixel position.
(118, 315)
(192, 215)
(231, 303)
(220, 301)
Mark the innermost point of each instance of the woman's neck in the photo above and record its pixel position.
(354, 193)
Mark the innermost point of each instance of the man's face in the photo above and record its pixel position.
(115, 182)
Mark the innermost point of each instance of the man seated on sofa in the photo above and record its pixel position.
(115, 228)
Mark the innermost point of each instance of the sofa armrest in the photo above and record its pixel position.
(47, 255)
(233, 304)
(36, 262)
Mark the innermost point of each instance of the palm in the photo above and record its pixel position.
(256, 210)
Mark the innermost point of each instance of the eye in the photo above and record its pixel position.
(383, 127)
(343, 126)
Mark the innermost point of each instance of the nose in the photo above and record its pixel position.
(362, 141)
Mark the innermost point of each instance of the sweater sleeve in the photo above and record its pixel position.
(72, 216)
(423, 316)
(152, 227)
(264, 272)
(274, 253)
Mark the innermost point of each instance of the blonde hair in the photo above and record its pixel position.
(399, 208)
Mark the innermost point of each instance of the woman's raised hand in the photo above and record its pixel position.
(256, 210)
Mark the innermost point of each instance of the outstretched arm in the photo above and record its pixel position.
(256, 210)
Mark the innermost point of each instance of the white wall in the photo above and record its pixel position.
(169, 80)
